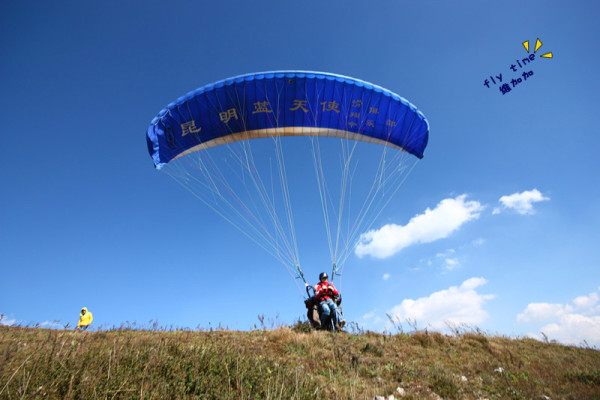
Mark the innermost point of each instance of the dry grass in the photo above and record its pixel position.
(288, 363)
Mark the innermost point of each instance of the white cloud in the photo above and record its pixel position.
(369, 315)
(451, 263)
(586, 301)
(372, 318)
(478, 242)
(575, 329)
(386, 277)
(456, 305)
(450, 259)
(52, 325)
(537, 312)
(4, 320)
(568, 324)
(445, 218)
(522, 203)
(446, 253)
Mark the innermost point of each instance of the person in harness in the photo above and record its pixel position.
(325, 295)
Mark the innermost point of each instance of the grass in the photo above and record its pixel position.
(288, 363)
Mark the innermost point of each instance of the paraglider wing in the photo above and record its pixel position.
(285, 103)
(247, 183)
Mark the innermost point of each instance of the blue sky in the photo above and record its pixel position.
(497, 227)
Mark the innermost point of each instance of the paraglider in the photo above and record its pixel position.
(231, 143)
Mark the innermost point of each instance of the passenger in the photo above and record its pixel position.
(325, 292)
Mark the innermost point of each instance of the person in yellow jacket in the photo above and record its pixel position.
(85, 319)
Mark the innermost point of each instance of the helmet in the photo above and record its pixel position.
(323, 275)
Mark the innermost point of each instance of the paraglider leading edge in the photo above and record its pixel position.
(285, 103)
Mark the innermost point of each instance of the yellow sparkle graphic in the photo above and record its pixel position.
(538, 44)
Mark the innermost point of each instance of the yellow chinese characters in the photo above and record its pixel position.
(356, 103)
(299, 105)
(331, 106)
(226, 116)
(262, 107)
(189, 127)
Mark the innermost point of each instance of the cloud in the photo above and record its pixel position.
(539, 312)
(4, 320)
(522, 203)
(456, 305)
(451, 263)
(373, 318)
(575, 329)
(386, 277)
(52, 325)
(369, 315)
(586, 301)
(449, 215)
(451, 259)
(567, 323)
(446, 253)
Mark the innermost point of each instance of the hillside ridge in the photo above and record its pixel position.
(289, 363)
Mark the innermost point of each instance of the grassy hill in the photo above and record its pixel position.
(289, 363)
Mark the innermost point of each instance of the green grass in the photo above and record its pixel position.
(288, 363)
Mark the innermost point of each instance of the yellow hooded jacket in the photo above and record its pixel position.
(85, 319)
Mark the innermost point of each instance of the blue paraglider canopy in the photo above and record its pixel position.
(285, 103)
